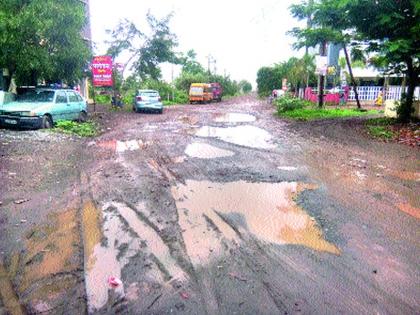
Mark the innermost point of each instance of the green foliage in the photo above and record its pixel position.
(380, 132)
(404, 110)
(183, 82)
(190, 65)
(383, 121)
(244, 86)
(317, 113)
(180, 97)
(103, 99)
(86, 129)
(146, 52)
(267, 80)
(380, 127)
(287, 103)
(298, 72)
(389, 29)
(41, 40)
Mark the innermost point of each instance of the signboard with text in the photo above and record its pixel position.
(102, 71)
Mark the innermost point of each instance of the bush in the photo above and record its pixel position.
(103, 99)
(86, 129)
(287, 103)
(180, 97)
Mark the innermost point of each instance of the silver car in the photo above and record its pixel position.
(148, 100)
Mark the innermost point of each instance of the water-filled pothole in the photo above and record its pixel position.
(206, 151)
(247, 135)
(234, 118)
(236, 209)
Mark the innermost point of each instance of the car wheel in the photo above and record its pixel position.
(82, 117)
(161, 111)
(46, 122)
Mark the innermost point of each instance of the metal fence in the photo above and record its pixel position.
(370, 93)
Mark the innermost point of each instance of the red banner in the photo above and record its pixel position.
(102, 71)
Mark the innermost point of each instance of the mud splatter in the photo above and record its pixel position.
(266, 210)
(409, 209)
(247, 135)
(7, 294)
(234, 118)
(206, 151)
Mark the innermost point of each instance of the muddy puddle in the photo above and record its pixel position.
(247, 135)
(209, 212)
(122, 236)
(234, 118)
(123, 146)
(206, 151)
(287, 168)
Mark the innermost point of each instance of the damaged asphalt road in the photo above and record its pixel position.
(208, 209)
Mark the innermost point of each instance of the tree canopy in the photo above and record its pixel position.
(387, 29)
(146, 50)
(41, 40)
(297, 71)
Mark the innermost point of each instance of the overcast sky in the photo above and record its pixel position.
(242, 36)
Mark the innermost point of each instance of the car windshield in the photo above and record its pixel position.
(149, 94)
(36, 96)
(196, 89)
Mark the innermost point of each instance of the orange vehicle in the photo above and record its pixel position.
(201, 93)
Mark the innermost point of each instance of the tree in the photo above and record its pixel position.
(390, 29)
(40, 40)
(146, 51)
(244, 86)
(329, 23)
(297, 71)
(190, 64)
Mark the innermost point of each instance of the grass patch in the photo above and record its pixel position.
(316, 113)
(381, 132)
(86, 129)
(381, 128)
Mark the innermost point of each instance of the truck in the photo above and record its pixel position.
(200, 93)
(217, 91)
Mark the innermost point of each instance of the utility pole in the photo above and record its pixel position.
(209, 60)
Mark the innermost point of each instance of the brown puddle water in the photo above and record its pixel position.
(105, 258)
(247, 135)
(54, 252)
(234, 118)
(206, 151)
(409, 209)
(267, 210)
(122, 146)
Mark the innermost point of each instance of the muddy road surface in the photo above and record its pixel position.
(209, 209)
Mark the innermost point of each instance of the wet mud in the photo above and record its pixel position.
(207, 210)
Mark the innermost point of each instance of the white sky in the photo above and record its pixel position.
(241, 35)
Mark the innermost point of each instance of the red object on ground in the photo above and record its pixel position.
(184, 295)
(114, 282)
